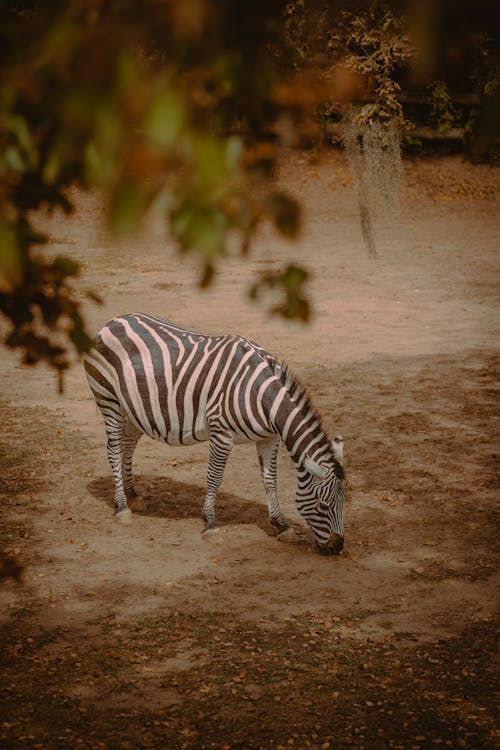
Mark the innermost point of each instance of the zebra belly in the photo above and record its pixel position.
(240, 439)
(175, 435)
(186, 438)
(202, 435)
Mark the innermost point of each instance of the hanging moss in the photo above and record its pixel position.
(374, 152)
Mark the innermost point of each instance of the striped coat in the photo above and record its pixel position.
(151, 377)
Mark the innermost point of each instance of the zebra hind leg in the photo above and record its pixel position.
(219, 449)
(130, 437)
(267, 452)
(114, 423)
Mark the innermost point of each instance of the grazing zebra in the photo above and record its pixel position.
(149, 376)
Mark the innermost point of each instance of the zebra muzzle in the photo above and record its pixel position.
(333, 546)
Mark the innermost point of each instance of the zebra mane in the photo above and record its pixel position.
(297, 389)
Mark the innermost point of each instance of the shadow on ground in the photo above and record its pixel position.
(167, 498)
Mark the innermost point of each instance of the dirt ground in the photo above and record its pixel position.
(149, 636)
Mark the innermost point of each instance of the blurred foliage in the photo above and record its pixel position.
(136, 100)
(290, 284)
(485, 74)
(190, 101)
(442, 114)
(483, 122)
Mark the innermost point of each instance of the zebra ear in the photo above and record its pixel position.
(338, 448)
(313, 468)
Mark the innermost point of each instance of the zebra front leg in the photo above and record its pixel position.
(114, 431)
(219, 450)
(267, 451)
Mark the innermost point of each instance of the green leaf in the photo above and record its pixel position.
(199, 227)
(100, 154)
(165, 118)
(100, 164)
(128, 205)
(295, 305)
(13, 159)
(285, 213)
(234, 150)
(52, 167)
(80, 339)
(67, 266)
(27, 151)
(208, 275)
(11, 265)
(211, 165)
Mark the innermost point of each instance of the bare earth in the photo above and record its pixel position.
(149, 636)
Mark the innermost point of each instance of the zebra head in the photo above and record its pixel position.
(320, 499)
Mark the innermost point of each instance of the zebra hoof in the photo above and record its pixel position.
(137, 503)
(212, 534)
(124, 516)
(289, 535)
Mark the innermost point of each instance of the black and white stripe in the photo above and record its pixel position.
(149, 376)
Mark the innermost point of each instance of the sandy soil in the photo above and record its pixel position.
(151, 636)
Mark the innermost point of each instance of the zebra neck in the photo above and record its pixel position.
(299, 426)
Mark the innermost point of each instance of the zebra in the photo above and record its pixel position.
(149, 376)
